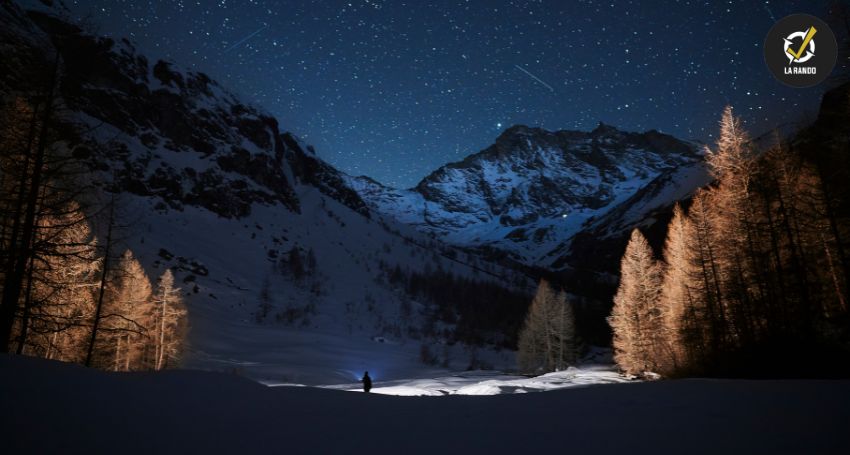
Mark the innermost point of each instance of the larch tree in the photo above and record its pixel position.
(170, 321)
(636, 319)
(531, 344)
(732, 157)
(676, 292)
(39, 178)
(711, 303)
(547, 340)
(128, 315)
(41, 227)
(562, 331)
(28, 196)
(106, 274)
(734, 228)
(54, 323)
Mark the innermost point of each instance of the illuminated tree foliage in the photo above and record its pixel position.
(169, 321)
(753, 273)
(58, 303)
(62, 296)
(636, 318)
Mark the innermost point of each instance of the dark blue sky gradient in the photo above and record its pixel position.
(394, 89)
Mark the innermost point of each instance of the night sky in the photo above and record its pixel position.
(394, 89)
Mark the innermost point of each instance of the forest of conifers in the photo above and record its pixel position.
(754, 274)
(67, 294)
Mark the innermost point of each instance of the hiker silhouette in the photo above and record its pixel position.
(367, 382)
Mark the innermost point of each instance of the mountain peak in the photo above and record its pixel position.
(518, 129)
(604, 129)
(518, 132)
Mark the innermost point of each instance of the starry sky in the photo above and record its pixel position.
(394, 89)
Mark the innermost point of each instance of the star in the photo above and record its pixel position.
(396, 92)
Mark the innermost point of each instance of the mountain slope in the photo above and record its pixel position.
(600, 243)
(285, 269)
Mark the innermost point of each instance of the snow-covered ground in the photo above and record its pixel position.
(50, 407)
(492, 382)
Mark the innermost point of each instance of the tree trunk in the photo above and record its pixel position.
(103, 275)
(834, 275)
(162, 333)
(14, 280)
(22, 339)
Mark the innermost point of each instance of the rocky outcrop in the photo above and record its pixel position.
(158, 131)
(311, 170)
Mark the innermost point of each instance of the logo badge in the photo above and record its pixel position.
(800, 50)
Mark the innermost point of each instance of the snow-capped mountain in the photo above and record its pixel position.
(533, 190)
(288, 275)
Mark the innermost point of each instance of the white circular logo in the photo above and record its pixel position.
(802, 50)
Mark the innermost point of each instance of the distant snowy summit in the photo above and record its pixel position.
(531, 191)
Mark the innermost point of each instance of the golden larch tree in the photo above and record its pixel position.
(170, 321)
(636, 319)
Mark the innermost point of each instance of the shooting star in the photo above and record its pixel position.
(534, 77)
(767, 7)
(245, 39)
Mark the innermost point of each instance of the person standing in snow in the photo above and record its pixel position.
(367, 382)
